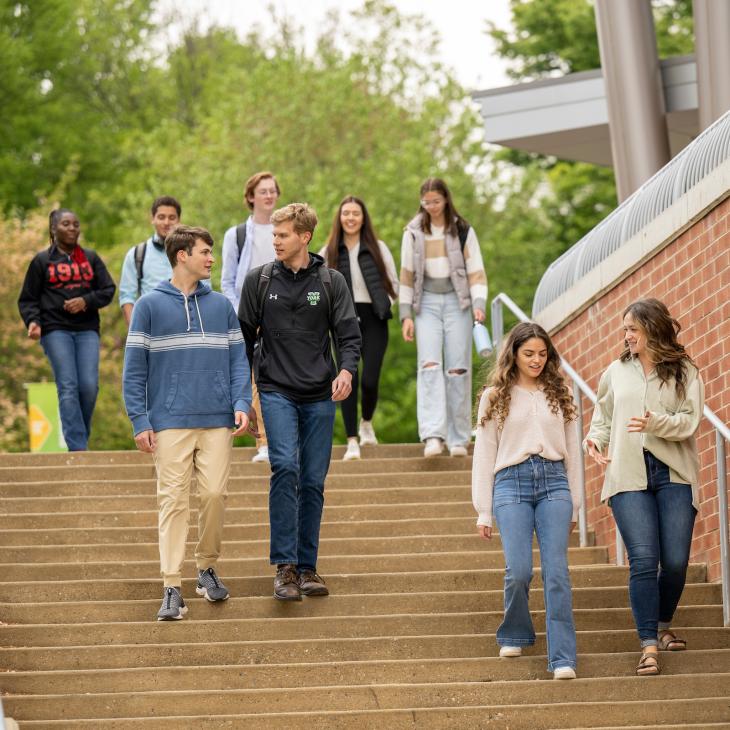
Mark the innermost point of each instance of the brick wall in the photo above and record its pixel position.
(692, 277)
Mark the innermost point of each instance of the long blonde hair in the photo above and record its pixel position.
(505, 374)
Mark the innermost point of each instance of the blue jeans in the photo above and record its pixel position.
(74, 358)
(300, 446)
(656, 526)
(443, 383)
(533, 497)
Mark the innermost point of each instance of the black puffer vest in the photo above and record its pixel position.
(371, 275)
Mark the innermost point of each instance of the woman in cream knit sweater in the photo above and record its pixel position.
(525, 469)
(649, 407)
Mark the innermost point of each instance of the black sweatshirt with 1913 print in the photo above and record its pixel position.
(53, 277)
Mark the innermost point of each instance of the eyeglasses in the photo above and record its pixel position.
(432, 203)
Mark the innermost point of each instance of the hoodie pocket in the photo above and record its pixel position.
(198, 392)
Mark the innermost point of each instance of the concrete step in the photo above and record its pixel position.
(252, 498)
(255, 531)
(79, 487)
(368, 697)
(259, 565)
(236, 516)
(290, 627)
(398, 671)
(594, 576)
(243, 548)
(515, 717)
(89, 472)
(240, 454)
(326, 649)
(81, 612)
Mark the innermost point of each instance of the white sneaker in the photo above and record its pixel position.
(366, 433)
(458, 451)
(262, 455)
(510, 651)
(353, 450)
(434, 447)
(564, 673)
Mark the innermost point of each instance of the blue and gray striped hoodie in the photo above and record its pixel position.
(185, 363)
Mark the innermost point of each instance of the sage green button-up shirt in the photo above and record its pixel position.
(625, 392)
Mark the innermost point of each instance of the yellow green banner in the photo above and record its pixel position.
(44, 421)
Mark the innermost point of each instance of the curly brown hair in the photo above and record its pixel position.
(669, 356)
(505, 374)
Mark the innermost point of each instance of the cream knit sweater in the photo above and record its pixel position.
(530, 428)
(624, 392)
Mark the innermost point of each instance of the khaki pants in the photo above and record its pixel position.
(256, 405)
(180, 453)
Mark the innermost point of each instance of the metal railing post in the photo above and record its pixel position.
(582, 518)
(497, 323)
(724, 536)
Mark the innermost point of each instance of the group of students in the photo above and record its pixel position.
(192, 356)
(526, 474)
(191, 353)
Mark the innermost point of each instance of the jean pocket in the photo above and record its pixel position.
(506, 488)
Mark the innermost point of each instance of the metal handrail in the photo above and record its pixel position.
(722, 434)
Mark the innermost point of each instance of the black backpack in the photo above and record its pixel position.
(139, 253)
(240, 238)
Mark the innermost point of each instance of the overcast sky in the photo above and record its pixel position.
(462, 23)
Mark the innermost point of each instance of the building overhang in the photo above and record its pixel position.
(567, 117)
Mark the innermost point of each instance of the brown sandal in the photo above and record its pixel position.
(668, 641)
(648, 665)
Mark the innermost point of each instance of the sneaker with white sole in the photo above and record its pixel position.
(366, 433)
(262, 455)
(353, 450)
(564, 673)
(211, 587)
(510, 651)
(173, 607)
(433, 447)
(458, 451)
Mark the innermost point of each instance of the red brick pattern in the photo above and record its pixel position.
(692, 277)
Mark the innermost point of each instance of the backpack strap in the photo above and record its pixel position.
(139, 253)
(240, 238)
(462, 228)
(324, 275)
(263, 288)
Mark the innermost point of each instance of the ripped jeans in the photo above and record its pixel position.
(443, 343)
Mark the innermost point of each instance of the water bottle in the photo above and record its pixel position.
(482, 340)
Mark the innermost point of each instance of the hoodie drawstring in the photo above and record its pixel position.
(200, 319)
(197, 309)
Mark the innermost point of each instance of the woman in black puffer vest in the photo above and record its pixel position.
(367, 264)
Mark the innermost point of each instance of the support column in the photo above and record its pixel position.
(634, 92)
(712, 55)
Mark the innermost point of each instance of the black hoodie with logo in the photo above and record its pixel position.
(291, 354)
(53, 278)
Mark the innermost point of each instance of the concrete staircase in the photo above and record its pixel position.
(406, 640)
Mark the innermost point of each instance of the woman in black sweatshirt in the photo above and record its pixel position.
(64, 288)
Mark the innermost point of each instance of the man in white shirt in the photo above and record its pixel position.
(246, 246)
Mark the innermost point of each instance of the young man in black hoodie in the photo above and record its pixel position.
(287, 312)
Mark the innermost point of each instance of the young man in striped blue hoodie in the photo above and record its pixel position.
(187, 391)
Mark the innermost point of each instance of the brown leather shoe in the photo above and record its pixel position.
(311, 584)
(286, 586)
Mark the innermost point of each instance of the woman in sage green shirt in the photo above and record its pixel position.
(649, 407)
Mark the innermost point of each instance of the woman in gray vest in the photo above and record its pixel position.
(443, 288)
(367, 264)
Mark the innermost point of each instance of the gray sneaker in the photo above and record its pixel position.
(173, 607)
(210, 586)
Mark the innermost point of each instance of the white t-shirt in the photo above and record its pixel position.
(262, 250)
